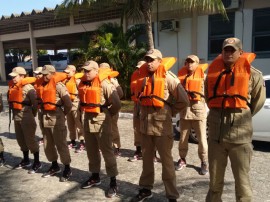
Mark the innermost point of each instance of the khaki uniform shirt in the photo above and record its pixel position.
(118, 87)
(235, 125)
(57, 117)
(27, 112)
(158, 121)
(76, 101)
(110, 99)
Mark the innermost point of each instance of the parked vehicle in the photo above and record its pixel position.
(260, 122)
(58, 61)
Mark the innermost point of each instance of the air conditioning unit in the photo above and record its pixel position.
(169, 25)
(231, 4)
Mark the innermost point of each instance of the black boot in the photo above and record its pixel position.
(37, 165)
(113, 188)
(66, 173)
(52, 170)
(25, 163)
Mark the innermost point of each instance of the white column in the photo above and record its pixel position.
(2, 62)
(33, 47)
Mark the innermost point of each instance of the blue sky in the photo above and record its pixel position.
(7, 7)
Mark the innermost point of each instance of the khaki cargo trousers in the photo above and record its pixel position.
(240, 158)
(199, 127)
(74, 123)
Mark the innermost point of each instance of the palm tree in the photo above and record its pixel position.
(137, 9)
(115, 47)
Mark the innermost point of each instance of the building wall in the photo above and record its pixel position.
(179, 44)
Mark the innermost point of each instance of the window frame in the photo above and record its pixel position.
(261, 12)
(220, 37)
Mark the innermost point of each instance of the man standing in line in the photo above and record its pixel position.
(194, 116)
(56, 104)
(74, 118)
(161, 97)
(22, 99)
(235, 92)
(38, 76)
(99, 101)
(136, 114)
(115, 131)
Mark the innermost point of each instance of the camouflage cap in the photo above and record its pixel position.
(89, 65)
(38, 70)
(194, 58)
(233, 42)
(154, 53)
(104, 65)
(69, 68)
(47, 69)
(17, 71)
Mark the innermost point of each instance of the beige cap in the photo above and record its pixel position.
(140, 63)
(38, 70)
(69, 68)
(104, 65)
(17, 71)
(47, 69)
(154, 53)
(89, 65)
(194, 58)
(233, 42)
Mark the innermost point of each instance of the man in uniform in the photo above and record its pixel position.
(194, 116)
(161, 97)
(235, 92)
(115, 131)
(38, 75)
(2, 159)
(56, 104)
(22, 100)
(136, 114)
(74, 121)
(99, 101)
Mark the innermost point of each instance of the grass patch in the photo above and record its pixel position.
(127, 106)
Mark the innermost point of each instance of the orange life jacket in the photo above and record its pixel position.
(133, 83)
(15, 92)
(39, 90)
(192, 83)
(150, 88)
(48, 92)
(90, 93)
(229, 89)
(72, 87)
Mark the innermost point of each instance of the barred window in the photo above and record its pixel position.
(219, 29)
(261, 32)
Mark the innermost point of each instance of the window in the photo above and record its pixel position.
(267, 85)
(261, 32)
(219, 29)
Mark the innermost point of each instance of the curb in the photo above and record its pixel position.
(125, 115)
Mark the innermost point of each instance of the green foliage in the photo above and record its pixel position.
(110, 44)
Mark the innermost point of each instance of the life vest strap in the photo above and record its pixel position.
(156, 97)
(225, 96)
(22, 103)
(57, 105)
(192, 94)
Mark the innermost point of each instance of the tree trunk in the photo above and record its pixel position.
(146, 6)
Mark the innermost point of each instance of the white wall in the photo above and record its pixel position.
(167, 42)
